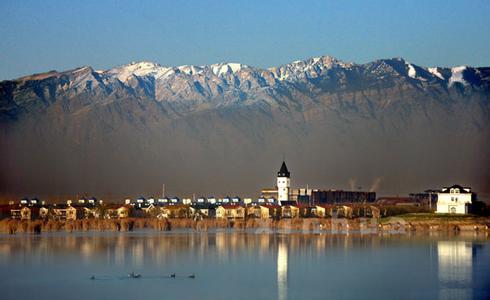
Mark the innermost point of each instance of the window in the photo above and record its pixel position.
(454, 191)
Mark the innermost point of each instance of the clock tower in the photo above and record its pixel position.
(283, 183)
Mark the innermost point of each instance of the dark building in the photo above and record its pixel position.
(339, 196)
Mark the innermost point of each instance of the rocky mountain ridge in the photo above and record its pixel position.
(224, 128)
(225, 84)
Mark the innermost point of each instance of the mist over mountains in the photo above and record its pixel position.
(224, 129)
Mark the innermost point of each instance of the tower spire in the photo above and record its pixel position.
(283, 172)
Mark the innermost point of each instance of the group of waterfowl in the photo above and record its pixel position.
(135, 275)
(188, 276)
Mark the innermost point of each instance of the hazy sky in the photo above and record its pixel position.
(37, 36)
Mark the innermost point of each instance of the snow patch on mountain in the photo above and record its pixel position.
(190, 70)
(226, 68)
(435, 71)
(411, 71)
(457, 75)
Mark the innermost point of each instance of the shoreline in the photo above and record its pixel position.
(397, 224)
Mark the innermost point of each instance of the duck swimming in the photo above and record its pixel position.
(133, 275)
(192, 276)
(172, 275)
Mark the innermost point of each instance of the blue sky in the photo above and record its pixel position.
(37, 36)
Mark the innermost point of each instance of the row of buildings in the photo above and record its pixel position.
(455, 199)
(195, 211)
(279, 202)
(64, 211)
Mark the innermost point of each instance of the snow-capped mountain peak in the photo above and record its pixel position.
(309, 68)
(123, 73)
(144, 68)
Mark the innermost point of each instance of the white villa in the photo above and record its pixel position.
(454, 200)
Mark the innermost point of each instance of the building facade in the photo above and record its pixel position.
(454, 200)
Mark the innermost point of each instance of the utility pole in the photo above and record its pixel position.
(163, 190)
(429, 192)
(430, 200)
(309, 196)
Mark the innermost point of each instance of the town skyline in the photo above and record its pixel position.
(282, 191)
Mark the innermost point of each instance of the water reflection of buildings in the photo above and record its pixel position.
(460, 262)
(282, 270)
(120, 251)
(455, 267)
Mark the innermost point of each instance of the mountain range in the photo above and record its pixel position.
(224, 129)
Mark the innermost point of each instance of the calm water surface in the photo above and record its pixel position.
(244, 266)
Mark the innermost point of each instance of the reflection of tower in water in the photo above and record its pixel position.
(282, 270)
(137, 252)
(455, 265)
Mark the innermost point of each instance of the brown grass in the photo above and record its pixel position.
(309, 224)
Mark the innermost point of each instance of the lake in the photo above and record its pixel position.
(244, 265)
